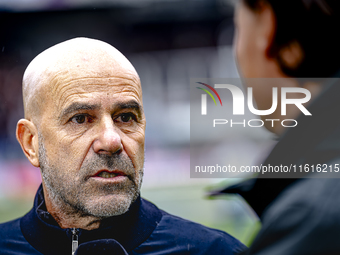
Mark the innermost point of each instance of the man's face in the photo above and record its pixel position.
(91, 141)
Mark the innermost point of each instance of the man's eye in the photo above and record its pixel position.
(126, 117)
(79, 119)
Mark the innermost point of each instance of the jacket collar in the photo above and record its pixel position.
(130, 229)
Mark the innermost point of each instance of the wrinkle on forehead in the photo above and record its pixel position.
(59, 87)
(66, 92)
(79, 59)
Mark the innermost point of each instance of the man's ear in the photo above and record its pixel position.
(27, 136)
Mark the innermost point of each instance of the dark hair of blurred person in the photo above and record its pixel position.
(312, 25)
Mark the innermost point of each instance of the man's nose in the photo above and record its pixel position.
(108, 140)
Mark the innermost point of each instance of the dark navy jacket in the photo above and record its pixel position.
(144, 229)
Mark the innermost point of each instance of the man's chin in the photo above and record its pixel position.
(108, 205)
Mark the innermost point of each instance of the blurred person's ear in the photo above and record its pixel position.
(291, 55)
(27, 136)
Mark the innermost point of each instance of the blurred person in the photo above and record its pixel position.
(84, 127)
(294, 39)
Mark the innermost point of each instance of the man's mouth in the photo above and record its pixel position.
(108, 174)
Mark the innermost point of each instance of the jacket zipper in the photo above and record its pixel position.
(74, 240)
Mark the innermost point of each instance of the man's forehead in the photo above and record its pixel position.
(103, 91)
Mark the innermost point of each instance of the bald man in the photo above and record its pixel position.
(84, 128)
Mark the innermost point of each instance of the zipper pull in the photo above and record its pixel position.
(74, 240)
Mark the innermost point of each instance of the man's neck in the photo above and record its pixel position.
(67, 216)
